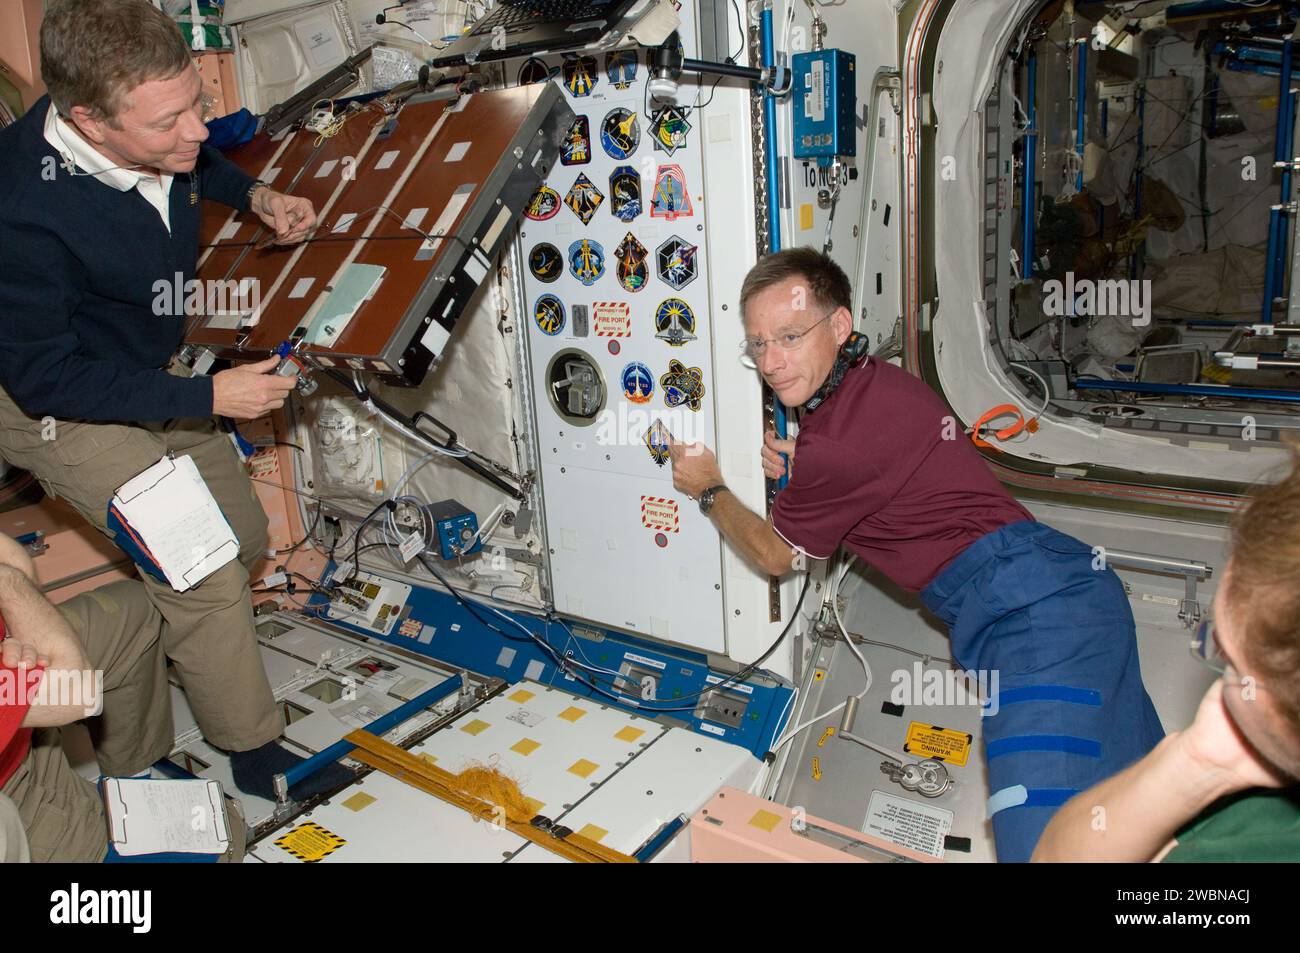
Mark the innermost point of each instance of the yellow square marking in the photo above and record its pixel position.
(525, 746)
(534, 805)
(582, 767)
(805, 217)
(475, 727)
(359, 801)
(522, 696)
(592, 832)
(765, 821)
(572, 714)
(629, 734)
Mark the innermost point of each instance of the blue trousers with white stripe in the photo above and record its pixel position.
(1037, 607)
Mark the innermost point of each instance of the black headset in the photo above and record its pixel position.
(852, 352)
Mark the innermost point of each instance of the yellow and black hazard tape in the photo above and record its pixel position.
(401, 764)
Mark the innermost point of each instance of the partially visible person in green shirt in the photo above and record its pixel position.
(1227, 788)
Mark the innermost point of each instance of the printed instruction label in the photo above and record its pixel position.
(907, 823)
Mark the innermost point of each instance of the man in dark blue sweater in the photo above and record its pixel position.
(100, 188)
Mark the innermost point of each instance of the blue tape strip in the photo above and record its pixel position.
(1017, 795)
(128, 545)
(1049, 693)
(1066, 743)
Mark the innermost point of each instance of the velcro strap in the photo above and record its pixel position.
(1068, 744)
(1006, 432)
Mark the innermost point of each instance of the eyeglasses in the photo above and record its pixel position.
(751, 349)
(1205, 647)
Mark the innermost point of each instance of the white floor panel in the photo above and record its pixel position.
(678, 774)
(382, 819)
(556, 746)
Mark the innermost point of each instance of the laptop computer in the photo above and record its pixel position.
(520, 27)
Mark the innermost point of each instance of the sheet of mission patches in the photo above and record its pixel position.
(617, 310)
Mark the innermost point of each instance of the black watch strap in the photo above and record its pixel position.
(706, 498)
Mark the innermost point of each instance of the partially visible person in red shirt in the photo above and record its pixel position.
(36, 639)
(20, 674)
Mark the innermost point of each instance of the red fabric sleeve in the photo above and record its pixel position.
(14, 738)
(833, 489)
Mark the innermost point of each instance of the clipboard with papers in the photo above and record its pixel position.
(168, 519)
(147, 816)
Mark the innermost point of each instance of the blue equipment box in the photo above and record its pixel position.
(825, 105)
(455, 525)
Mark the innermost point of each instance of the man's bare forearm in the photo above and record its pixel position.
(31, 618)
(13, 554)
(1133, 815)
(752, 535)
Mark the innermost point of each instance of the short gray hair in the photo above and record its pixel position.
(94, 52)
(827, 283)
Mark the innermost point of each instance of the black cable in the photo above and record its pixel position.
(364, 395)
(356, 538)
(311, 531)
(307, 579)
(749, 669)
(284, 443)
(730, 680)
(740, 28)
(465, 603)
(712, 90)
(381, 19)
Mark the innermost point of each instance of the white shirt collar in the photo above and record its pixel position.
(155, 187)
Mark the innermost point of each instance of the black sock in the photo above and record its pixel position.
(254, 770)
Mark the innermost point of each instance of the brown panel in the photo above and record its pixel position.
(482, 130)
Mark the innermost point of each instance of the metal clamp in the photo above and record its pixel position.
(927, 778)
(558, 831)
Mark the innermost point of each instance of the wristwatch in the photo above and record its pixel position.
(706, 498)
(257, 184)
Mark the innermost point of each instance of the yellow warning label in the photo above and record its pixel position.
(310, 842)
(765, 821)
(943, 744)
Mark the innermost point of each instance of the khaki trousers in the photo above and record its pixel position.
(207, 631)
(62, 813)
(13, 839)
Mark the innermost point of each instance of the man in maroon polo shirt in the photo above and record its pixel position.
(883, 469)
